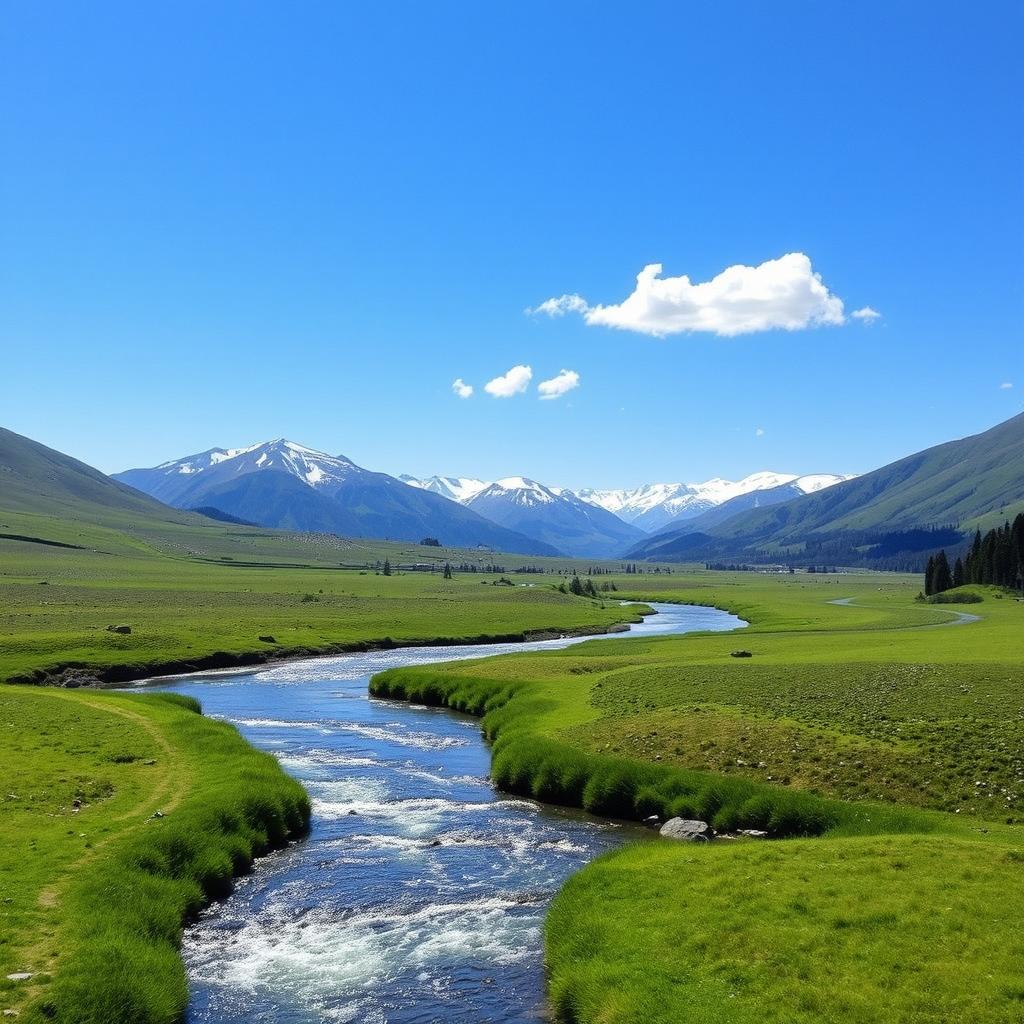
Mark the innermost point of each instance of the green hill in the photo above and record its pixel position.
(37, 480)
(965, 484)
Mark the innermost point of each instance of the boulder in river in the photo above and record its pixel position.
(687, 830)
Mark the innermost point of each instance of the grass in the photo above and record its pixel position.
(859, 930)
(203, 596)
(859, 724)
(120, 817)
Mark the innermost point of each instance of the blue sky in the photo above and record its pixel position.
(221, 223)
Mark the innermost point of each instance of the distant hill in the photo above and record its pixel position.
(221, 517)
(38, 480)
(962, 484)
(558, 518)
(287, 485)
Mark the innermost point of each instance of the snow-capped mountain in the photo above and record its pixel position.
(654, 506)
(554, 516)
(174, 481)
(284, 484)
(454, 488)
(795, 487)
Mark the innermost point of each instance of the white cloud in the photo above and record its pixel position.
(1006, 385)
(461, 388)
(562, 305)
(866, 315)
(515, 382)
(759, 432)
(558, 386)
(778, 294)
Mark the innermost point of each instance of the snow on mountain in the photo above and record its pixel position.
(649, 508)
(554, 516)
(654, 506)
(289, 486)
(454, 488)
(317, 469)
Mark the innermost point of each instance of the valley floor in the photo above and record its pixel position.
(885, 734)
(215, 596)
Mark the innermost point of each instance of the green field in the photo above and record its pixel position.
(120, 817)
(203, 595)
(881, 728)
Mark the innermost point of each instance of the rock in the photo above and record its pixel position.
(753, 833)
(19, 976)
(687, 830)
(158, 814)
(119, 629)
(652, 821)
(741, 654)
(268, 639)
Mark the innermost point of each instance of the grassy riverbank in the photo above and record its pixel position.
(121, 815)
(859, 724)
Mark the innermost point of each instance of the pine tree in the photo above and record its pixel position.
(929, 577)
(943, 577)
(958, 573)
(575, 587)
(447, 571)
(387, 567)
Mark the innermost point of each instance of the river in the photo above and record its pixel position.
(420, 893)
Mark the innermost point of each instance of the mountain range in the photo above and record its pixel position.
(287, 485)
(887, 518)
(655, 506)
(602, 524)
(555, 516)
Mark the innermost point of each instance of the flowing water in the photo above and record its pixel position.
(420, 893)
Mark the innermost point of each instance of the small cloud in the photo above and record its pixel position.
(515, 382)
(558, 386)
(461, 388)
(1006, 385)
(560, 306)
(866, 315)
(782, 294)
(759, 432)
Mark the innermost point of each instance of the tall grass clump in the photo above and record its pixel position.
(125, 912)
(554, 771)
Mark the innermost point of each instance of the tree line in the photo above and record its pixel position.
(995, 559)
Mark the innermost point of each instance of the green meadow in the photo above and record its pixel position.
(880, 741)
(202, 596)
(120, 817)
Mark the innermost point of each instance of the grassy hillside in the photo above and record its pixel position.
(883, 729)
(120, 816)
(974, 482)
